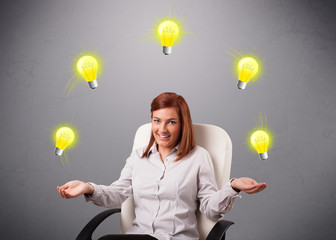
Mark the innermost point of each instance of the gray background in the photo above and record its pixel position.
(295, 40)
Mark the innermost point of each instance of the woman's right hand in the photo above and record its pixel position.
(75, 188)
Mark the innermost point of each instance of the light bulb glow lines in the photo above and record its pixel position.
(74, 82)
(65, 158)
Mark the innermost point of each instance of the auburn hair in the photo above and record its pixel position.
(187, 137)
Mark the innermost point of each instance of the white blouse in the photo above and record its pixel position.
(167, 194)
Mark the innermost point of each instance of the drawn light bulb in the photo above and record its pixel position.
(260, 140)
(64, 137)
(247, 69)
(168, 31)
(87, 66)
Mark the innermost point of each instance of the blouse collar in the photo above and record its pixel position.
(154, 149)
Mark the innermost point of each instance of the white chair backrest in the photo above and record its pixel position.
(219, 145)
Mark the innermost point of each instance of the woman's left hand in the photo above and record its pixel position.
(247, 185)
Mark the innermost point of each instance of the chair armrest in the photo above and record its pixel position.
(218, 231)
(86, 233)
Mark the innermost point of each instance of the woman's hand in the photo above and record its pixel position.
(75, 188)
(247, 185)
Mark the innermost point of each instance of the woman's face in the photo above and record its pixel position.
(166, 128)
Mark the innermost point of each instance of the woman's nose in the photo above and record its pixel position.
(163, 127)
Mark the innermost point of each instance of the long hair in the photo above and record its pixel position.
(187, 138)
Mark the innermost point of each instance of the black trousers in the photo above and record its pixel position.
(127, 237)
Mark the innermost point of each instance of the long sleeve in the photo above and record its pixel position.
(114, 195)
(214, 203)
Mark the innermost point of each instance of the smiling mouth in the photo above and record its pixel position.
(164, 136)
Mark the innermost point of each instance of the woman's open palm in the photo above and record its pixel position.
(73, 189)
(248, 185)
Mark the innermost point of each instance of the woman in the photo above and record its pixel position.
(169, 179)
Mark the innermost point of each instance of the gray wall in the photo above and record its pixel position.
(296, 41)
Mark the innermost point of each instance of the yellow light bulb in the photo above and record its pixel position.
(64, 137)
(168, 31)
(260, 140)
(247, 69)
(87, 66)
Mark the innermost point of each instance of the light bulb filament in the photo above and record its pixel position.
(87, 65)
(66, 135)
(248, 66)
(260, 138)
(168, 30)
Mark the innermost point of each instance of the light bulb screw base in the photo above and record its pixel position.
(58, 151)
(167, 50)
(93, 84)
(241, 84)
(263, 156)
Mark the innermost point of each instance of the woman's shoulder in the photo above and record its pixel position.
(201, 158)
(199, 153)
(138, 151)
(136, 154)
(200, 150)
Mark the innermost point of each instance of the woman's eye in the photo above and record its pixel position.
(156, 121)
(172, 122)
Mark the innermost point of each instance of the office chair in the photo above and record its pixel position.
(219, 145)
